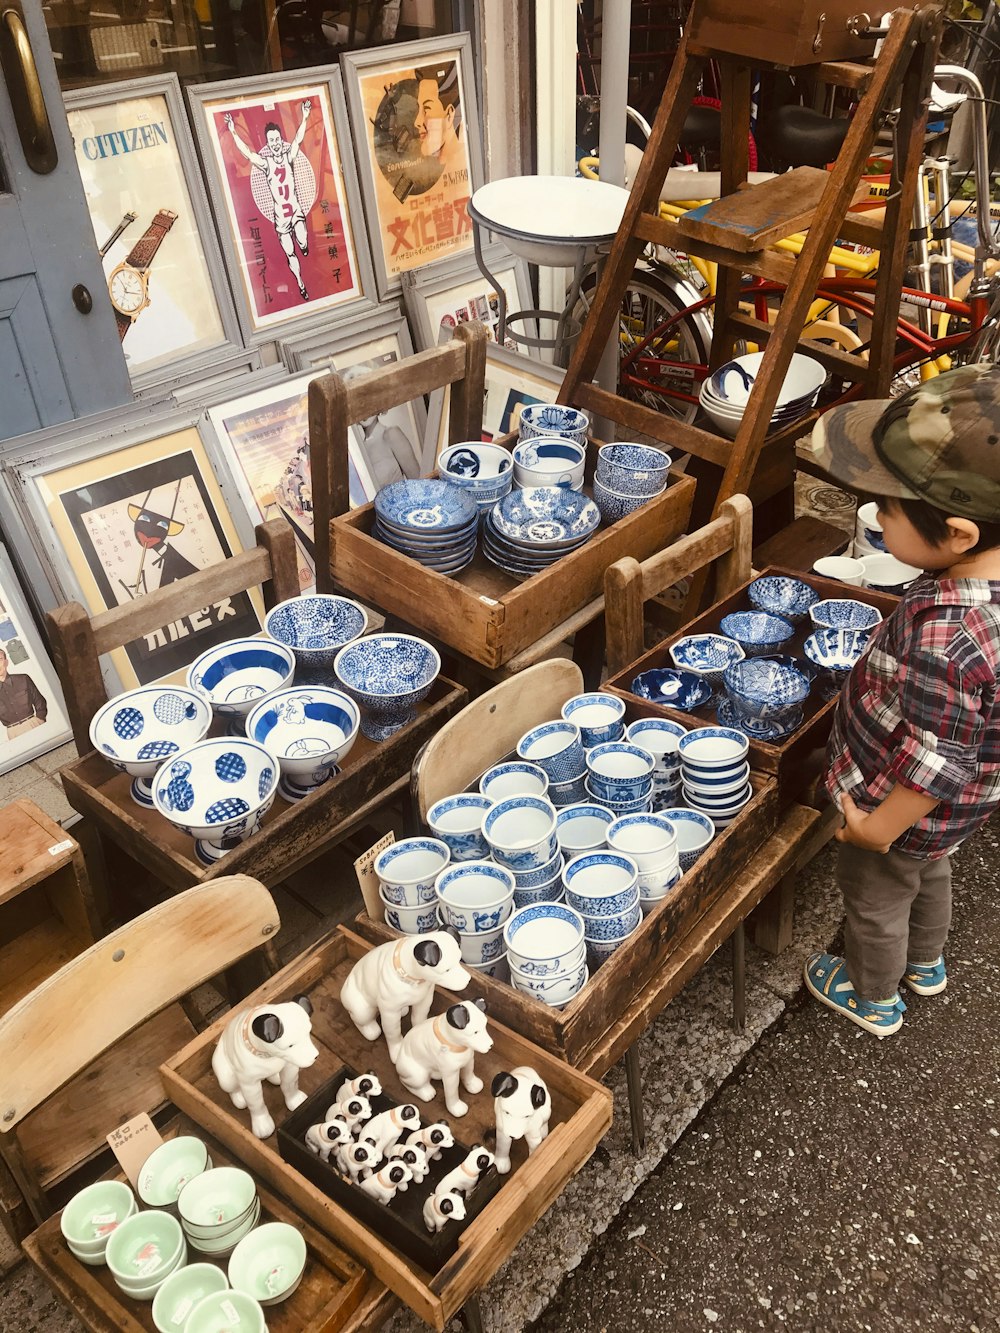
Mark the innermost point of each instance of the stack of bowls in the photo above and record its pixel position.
(706, 656)
(458, 822)
(660, 738)
(314, 627)
(583, 828)
(765, 698)
(651, 842)
(782, 596)
(844, 613)
(309, 730)
(268, 1264)
(672, 689)
(604, 888)
(182, 1292)
(137, 731)
(542, 885)
(757, 632)
(217, 1209)
(521, 832)
(550, 419)
(168, 1169)
(546, 952)
(484, 471)
(143, 1251)
(834, 652)
(599, 717)
(715, 772)
(388, 675)
(620, 777)
(694, 832)
(529, 530)
(235, 677)
(476, 898)
(884, 573)
(515, 778)
(91, 1217)
(628, 476)
(557, 748)
(433, 522)
(869, 538)
(725, 393)
(407, 872)
(549, 461)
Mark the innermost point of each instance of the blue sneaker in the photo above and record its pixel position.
(826, 976)
(926, 978)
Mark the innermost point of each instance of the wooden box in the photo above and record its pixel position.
(785, 759)
(483, 612)
(291, 834)
(780, 32)
(581, 1114)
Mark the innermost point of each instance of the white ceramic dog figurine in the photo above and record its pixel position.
(383, 1130)
(465, 1176)
(354, 1159)
(270, 1042)
(382, 1185)
(522, 1106)
(432, 1138)
(365, 1085)
(414, 1157)
(399, 978)
(444, 1047)
(355, 1110)
(440, 1208)
(322, 1139)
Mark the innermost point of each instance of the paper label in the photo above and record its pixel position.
(231, 1313)
(58, 848)
(364, 868)
(132, 1144)
(103, 1223)
(181, 1310)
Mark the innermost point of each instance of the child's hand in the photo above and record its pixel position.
(855, 825)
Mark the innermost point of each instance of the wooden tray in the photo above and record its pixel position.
(291, 835)
(483, 612)
(581, 1114)
(785, 760)
(332, 1293)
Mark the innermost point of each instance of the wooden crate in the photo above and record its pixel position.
(334, 1296)
(483, 612)
(581, 1114)
(778, 32)
(292, 834)
(786, 760)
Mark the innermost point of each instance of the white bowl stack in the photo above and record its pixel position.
(651, 842)
(725, 393)
(715, 772)
(604, 888)
(476, 898)
(546, 952)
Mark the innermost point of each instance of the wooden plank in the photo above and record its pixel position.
(77, 663)
(845, 364)
(29, 958)
(773, 921)
(667, 429)
(844, 74)
(864, 228)
(803, 542)
(468, 394)
(28, 839)
(772, 264)
(756, 216)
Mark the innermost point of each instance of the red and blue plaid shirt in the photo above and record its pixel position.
(921, 709)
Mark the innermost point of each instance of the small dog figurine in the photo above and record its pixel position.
(323, 1139)
(444, 1047)
(465, 1176)
(414, 1157)
(365, 1085)
(383, 1130)
(355, 1110)
(382, 1185)
(249, 1052)
(432, 1138)
(441, 1207)
(399, 978)
(522, 1106)
(356, 1158)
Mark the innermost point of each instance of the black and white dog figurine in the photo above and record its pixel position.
(432, 1138)
(323, 1139)
(413, 1156)
(465, 1177)
(441, 1208)
(522, 1106)
(272, 1042)
(365, 1085)
(354, 1159)
(382, 1185)
(384, 1129)
(444, 1048)
(355, 1110)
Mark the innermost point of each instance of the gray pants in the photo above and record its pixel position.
(898, 910)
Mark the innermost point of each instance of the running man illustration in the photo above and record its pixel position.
(288, 178)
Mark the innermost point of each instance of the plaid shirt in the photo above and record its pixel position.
(921, 708)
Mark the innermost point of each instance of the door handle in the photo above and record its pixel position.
(21, 74)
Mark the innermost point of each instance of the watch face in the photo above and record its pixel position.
(128, 291)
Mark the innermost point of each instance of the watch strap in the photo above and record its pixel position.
(146, 247)
(124, 323)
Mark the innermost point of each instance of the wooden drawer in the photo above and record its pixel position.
(779, 33)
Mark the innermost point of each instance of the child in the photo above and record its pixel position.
(914, 756)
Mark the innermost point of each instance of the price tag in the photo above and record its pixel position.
(58, 848)
(364, 867)
(132, 1143)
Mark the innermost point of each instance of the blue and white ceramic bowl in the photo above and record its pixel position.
(706, 655)
(553, 419)
(672, 689)
(613, 505)
(712, 752)
(541, 875)
(716, 788)
(601, 883)
(618, 808)
(660, 737)
(767, 729)
(844, 613)
(139, 730)
(616, 927)
(480, 946)
(545, 516)
(234, 677)
(757, 631)
(388, 674)
(599, 717)
(723, 809)
(549, 461)
(568, 793)
(521, 832)
(515, 778)
(407, 871)
(836, 650)
(556, 748)
(694, 830)
(551, 892)
(314, 627)
(599, 951)
(477, 466)
(782, 596)
(309, 730)
(458, 822)
(556, 990)
(475, 896)
(620, 771)
(217, 792)
(424, 505)
(583, 828)
(800, 664)
(656, 884)
(632, 469)
(544, 939)
(762, 689)
(410, 920)
(648, 839)
(496, 967)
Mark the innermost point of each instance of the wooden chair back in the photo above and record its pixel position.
(335, 405)
(489, 727)
(629, 584)
(82, 1051)
(79, 639)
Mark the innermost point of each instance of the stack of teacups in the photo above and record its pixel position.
(715, 772)
(620, 777)
(628, 476)
(651, 842)
(90, 1218)
(477, 898)
(694, 832)
(485, 471)
(868, 538)
(660, 737)
(549, 419)
(583, 828)
(604, 888)
(217, 1209)
(546, 952)
(599, 717)
(168, 1169)
(406, 873)
(143, 1251)
(521, 832)
(549, 461)
(557, 749)
(457, 821)
(515, 778)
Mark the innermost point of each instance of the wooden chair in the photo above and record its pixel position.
(82, 1051)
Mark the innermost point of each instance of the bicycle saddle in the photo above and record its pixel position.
(702, 128)
(801, 136)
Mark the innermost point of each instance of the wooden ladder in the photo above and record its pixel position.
(738, 232)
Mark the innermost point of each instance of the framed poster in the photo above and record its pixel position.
(153, 227)
(419, 150)
(289, 214)
(439, 299)
(32, 710)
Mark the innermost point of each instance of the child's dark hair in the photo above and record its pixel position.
(932, 523)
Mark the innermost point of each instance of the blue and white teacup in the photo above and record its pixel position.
(619, 771)
(552, 892)
(568, 793)
(556, 990)
(599, 951)
(555, 747)
(583, 827)
(601, 883)
(407, 871)
(458, 821)
(553, 419)
(616, 927)
(475, 896)
(516, 778)
(599, 717)
(478, 946)
(542, 875)
(694, 829)
(632, 469)
(521, 832)
(419, 920)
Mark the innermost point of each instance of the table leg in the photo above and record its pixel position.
(739, 978)
(633, 1075)
(472, 1315)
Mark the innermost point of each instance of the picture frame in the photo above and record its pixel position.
(277, 156)
(33, 717)
(154, 229)
(439, 298)
(419, 151)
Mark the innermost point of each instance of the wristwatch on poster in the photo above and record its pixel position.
(128, 283)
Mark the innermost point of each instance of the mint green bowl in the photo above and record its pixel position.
(215, 1314)
(106, 1203)
(216, 1201)
(168, 1169)
(182, 1291)
(268, 1263)
(144, 1249)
